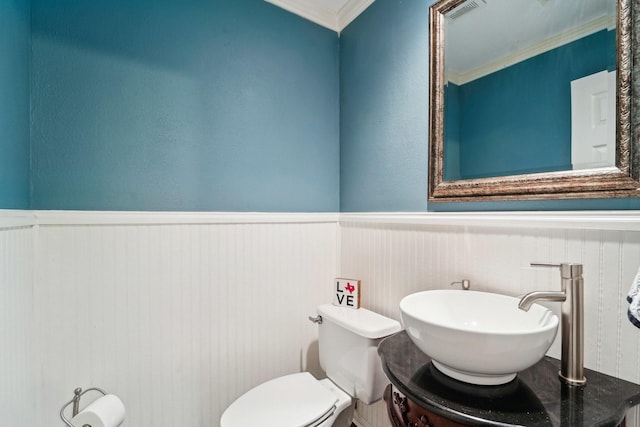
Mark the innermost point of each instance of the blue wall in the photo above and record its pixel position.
(518, 119)
(14, 104)
(182, 105)
(384, 121)
(384, 104)
(218, 105)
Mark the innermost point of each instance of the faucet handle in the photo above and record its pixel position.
(568, 270)
(544, 264)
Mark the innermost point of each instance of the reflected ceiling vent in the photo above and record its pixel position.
(465, 8)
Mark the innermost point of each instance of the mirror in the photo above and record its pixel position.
(531, 99)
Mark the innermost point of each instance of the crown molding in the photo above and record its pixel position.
(322, 15)
(314, 12)
(350, 11)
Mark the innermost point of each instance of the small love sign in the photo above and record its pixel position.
(347, 293)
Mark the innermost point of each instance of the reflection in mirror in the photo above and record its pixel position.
(528, 99)
(512, 69)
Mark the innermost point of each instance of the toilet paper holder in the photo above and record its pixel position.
(77, 394)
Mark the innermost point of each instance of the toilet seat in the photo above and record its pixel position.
(296, 400)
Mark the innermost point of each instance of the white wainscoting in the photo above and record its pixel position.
(178, 316)
(18, 360)
(396, 255)
(179, 313)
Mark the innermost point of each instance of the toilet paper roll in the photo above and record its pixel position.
(106, 411)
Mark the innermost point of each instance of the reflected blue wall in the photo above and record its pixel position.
(518, 120)
(452, 125)
(14, 104)
(183, 105)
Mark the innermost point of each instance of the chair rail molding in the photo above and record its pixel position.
(594, 220)
(172, 218)
(16, 218)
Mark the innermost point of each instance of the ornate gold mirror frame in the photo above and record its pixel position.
(619, 181)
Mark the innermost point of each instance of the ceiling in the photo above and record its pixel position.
(332, 14)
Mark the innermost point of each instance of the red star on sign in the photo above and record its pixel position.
(350, 288)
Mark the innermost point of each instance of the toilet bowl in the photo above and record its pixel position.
(347, 342)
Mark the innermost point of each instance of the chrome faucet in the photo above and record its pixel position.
(572, 297)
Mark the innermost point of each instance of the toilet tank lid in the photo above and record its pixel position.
(360, 321)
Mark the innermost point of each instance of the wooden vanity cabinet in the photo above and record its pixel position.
(405, 413)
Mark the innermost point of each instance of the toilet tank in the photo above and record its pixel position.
(348, 344)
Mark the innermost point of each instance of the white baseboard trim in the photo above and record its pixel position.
(359, 422)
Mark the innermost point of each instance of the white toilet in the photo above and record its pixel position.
(348, 341)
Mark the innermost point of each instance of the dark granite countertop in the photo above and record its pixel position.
(536, 397)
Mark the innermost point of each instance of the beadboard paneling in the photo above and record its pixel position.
(396, 259)
(178, 320)
(180, 313)
(18, 363)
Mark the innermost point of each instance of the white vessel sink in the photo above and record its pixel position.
(477, 337)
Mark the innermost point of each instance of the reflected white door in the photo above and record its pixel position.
(593, 121)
